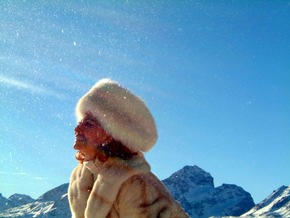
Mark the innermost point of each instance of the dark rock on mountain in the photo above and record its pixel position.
(3, 203)
(194, 189)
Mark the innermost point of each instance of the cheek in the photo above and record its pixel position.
(99, 135)
(92, 137)
(95, 139)
(90, 150)
(96, 135)
(102, 136)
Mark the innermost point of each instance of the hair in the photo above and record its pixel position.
(117, 149)
(112, 149)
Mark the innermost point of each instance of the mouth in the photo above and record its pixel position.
(80, 141)
(80, 138)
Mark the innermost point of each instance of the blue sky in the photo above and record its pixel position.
(215, 74)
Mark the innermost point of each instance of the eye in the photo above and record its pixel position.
(89, 123)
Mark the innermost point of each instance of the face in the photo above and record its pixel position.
(89, 136)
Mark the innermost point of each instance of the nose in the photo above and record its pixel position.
(77, 129)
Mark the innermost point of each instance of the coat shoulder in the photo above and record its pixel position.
(144, 195)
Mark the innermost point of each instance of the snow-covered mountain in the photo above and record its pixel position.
(191, 186)
(276, 205)
(194, 189)
(53, 203)
(14, 201)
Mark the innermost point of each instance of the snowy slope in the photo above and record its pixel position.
(53, 203)
(276, 205)
(14, 201)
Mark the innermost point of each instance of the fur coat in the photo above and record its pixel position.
(120, 188)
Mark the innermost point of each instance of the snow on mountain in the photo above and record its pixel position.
(19, 199)
(191, 186)
(53, 203)
(14, 201)
(276, 205)
(194, 189)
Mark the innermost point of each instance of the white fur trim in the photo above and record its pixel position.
(121, 113)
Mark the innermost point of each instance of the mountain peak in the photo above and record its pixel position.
(194, 189)
(21, 198)
(50, 195)
(193, 175)
(14, 200)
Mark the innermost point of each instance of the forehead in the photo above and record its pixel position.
(89, 117)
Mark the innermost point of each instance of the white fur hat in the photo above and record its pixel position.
(122, 114)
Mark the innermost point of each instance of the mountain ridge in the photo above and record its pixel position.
(192, 186)
(276, 204)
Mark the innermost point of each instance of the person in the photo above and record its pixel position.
(113, 179)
